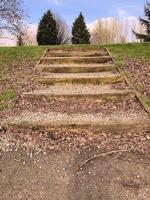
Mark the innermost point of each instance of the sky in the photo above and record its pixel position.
(91, 9)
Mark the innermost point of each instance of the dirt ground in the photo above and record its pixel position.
(53, 176)
(139, 70)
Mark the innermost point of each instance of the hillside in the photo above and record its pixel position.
(18, 62)
(75, 124)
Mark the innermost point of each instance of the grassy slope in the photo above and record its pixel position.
(132, 51)
(121, 51)
(14, 57)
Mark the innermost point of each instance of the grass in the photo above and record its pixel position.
(5, 98)
(137, 50)
(14, 55)
(7, 95)
(146, 102)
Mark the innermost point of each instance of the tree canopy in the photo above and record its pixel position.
(80, 33)
(47, 30)
(145, 22)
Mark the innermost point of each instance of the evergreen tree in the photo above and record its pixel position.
(47, 30)
(145, 22)
(80, 32)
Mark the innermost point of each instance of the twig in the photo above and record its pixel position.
(16, 101)
(100, 155)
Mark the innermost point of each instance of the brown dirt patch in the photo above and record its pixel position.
(121, 176)
(36, 141)
(79, 105)
(140, 71)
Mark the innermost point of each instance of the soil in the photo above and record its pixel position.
(35, 141)
(79, 105)
(140, 72)
(53, 177)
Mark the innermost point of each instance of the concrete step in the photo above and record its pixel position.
(102, 78)
(75, 68)
(76, 60)
(113, 122)
(76, 53)
(106, 93)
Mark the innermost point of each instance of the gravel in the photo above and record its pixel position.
(82, 75)
(79, 89)
(76, 65)
(59, 119)
(78, 105)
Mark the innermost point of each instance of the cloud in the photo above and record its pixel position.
(91, 25)
(7, 41)
(56, 2)
(122, 14)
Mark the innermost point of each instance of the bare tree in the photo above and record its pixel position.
(64, 36)
(107, 30)
(29, 38)
(111, 30)
(12, 19)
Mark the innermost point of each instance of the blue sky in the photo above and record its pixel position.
(92, 9)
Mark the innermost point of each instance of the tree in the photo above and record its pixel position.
(146, 23)
(107, 30)
(20, 32)
(47, 30)
(12, 18)
(63, 36)
(80, 32)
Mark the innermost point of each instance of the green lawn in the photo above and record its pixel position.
(14, 55)
(121, 51)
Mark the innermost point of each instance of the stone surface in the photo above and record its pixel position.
(91, 91)
(115, 121)
(75, 68)
(81, 78)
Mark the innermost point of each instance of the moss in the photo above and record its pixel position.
(5, 98)
(102, 59)
(96, 81)
(145, 101)
(7, 95)
(77, 69)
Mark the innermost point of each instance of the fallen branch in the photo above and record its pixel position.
(16, 101)
(100, 155)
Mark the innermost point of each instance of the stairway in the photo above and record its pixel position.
(82, 88)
